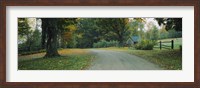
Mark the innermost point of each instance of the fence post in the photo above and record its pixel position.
(172, 46)
(160, 45)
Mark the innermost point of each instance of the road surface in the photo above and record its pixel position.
(116, 60)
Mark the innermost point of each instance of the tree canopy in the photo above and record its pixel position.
(171, 23)
(94, 32)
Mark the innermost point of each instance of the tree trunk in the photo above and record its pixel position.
(28, 43)
(63, 43)
(52, 33)
(43, 39)
(121, 41)
(120, 37)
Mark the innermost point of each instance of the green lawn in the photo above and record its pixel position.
(167, 59)
(68, 61)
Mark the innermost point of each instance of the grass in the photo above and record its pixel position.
(71, 59)
(166, 59)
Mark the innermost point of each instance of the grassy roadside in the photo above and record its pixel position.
(167, 59)
(71, 59)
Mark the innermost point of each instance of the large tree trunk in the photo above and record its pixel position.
(43, 39)
(52, 33)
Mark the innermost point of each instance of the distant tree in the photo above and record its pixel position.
(32, 37)
(163, 33)
(23, 27)
(172, 33)
(67, 27)
(68, 36)
(136, 24)
(154, 33)
(119, 27)
(36, 40)
(88, 32)
(24, 33)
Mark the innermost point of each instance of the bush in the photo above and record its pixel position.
(104, 43)
(145, 45)
(163, 35)
(180, 48)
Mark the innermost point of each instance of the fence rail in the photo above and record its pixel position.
(163, 44)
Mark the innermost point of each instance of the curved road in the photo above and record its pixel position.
(115, 60)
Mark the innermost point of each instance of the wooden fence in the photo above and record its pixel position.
(166, 44)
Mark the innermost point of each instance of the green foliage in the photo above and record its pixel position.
(180, 48)
(137, 23)
(163, 33)
(152, 33)
(173, 26)
(67, 28)
(33, 42)
(88, 32)
(28, 40)
(96, 29)
(23, 27)
(145, 44)
(148, 38)
(172, 33)
(117, 26)
(103, 44)
(24, 31)
(36, 40)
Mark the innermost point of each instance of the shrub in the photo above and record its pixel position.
(112, 43)
(104, 43)
(164, 35)
(145, 45)
(180, 48)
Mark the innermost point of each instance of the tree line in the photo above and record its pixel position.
(86, 32)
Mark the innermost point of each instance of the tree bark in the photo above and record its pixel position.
(43, 39)
(52, 33)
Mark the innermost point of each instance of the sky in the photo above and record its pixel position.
(148, 20)
(33, 24)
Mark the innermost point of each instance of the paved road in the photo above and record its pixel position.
(115, 60)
